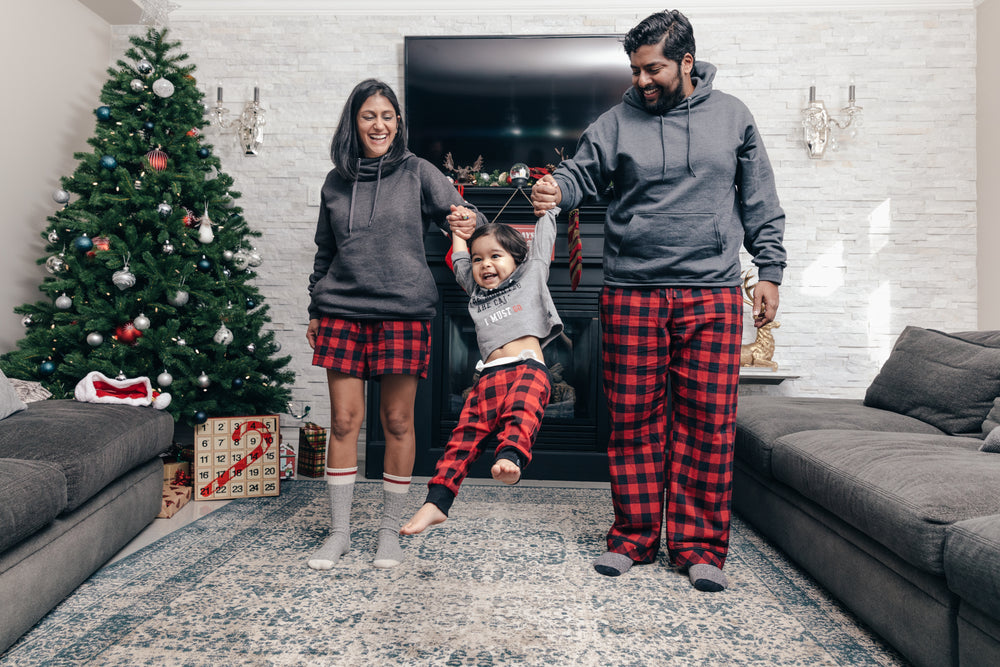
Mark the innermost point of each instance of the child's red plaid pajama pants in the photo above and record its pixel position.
(508, 401)
(690, 337)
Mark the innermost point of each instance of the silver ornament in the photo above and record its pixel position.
(226, 255)
(168, 248)
(53, 236)
(241, 259)
(251, 348)
(254, 259)
(94, 339)
(179, 298)
(203, 380)
(227, 273)
(277, 346)
(164, 209)
(55, 264)
(164, 379)
(61, 196)
(163, 87)
(144, 67)
(26, 321)
(223, 336)
(123, 278)
(182, 342)
(64, 302)
(136, 85)
(141, 322)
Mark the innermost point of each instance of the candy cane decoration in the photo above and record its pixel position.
(266, 439)
(575, 249)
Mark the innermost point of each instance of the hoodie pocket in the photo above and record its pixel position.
(687, 245)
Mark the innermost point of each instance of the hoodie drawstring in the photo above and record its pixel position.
(663, 143)
(354, 192)
(690, 166)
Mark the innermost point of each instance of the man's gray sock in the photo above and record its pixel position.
(394, 490)
(707, 578)
(612, 564)
(340, 484)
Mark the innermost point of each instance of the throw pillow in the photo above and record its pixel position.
(992, 442)
(946, 381)
(28, 391)
(992, 420)
(9, 401)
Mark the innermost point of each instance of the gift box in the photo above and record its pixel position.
(171, 469)
(312, 450)
(174, 498)
(287, 459)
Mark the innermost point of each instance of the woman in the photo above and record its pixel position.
(372, 299)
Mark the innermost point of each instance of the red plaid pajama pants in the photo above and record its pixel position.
(685, 342)
(508, 401)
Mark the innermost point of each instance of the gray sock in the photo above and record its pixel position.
(394, 490)
(339, 541)
(612, 564)
(707, 578)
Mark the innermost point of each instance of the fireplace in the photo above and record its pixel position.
(572, 443)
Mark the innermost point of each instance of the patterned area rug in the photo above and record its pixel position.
(506, 580)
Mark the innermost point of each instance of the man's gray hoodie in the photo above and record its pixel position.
(690, 186)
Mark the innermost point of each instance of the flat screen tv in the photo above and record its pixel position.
(509, 99)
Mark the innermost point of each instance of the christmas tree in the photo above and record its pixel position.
(150, 262)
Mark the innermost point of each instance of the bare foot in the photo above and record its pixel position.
(428, 515)
(506, 471)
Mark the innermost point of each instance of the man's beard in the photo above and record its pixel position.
(667, 100)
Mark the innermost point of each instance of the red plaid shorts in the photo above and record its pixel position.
(373, 348)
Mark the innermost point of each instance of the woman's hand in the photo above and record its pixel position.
(312, 332)
(462, 221)
(545, 194)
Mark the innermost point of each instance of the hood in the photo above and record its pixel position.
(373, 169)
(702, 76)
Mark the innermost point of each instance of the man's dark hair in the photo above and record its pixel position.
(670, 26)
(345, 149)
(509, 239)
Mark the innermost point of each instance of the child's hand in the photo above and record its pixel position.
(462, 222)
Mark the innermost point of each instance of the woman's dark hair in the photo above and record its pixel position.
(345, 149)
(509, 239)
(670, 26)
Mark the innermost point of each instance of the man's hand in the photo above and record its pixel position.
(545, 195)
(765, 302)
(462, 221)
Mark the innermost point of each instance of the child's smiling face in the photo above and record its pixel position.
(491, 263)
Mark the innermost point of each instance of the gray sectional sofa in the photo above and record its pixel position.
(77, 482)
(892, 502)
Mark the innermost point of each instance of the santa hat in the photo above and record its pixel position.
(95, 387)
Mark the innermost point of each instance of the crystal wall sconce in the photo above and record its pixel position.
(818, 124)
(249, 126)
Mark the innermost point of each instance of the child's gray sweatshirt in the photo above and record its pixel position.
(521, 305)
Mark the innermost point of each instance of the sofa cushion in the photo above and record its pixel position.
(901, 489)
(939, 378)
(9, 400)
(763, 419)
(92, 444)
(992, 420)
(972, 562)
(32, 494)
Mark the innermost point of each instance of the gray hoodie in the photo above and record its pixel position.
(370, 261)
(690, 186)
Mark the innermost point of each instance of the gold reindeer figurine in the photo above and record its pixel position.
(759, 352)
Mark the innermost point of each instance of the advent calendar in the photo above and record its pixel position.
(236, 457)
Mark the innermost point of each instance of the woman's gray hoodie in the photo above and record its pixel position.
(690, 186)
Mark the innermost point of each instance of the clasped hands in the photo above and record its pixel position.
(462, 221)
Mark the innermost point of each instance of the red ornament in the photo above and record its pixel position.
(127, 333)
(157, 159)
(190, 219)
(193, 132)
(100, 243)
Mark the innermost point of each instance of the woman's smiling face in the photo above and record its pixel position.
(377, 124)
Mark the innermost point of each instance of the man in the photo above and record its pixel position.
(691, 184)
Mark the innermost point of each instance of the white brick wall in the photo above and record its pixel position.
(880, 234)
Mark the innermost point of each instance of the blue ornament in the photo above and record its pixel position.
(108, 162)
(251, 304)
(46, 368)
(103, 113)
(83, 243)
(200, 417)
(204, 264)
(237, 383)
(204, 152)
(148, 126)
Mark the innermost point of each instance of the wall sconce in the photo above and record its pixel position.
(818, 123)
(249, 126)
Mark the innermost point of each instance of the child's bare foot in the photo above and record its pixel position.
(506, 471)
(428, 515)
